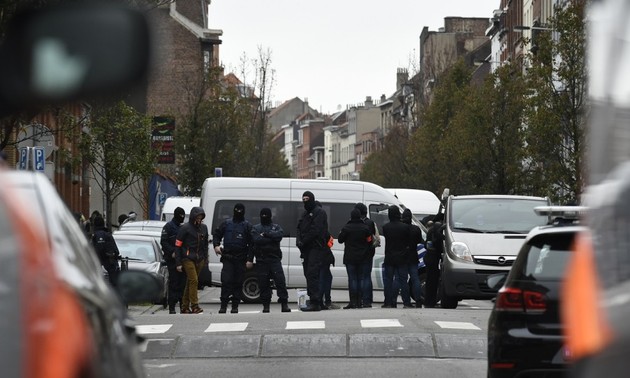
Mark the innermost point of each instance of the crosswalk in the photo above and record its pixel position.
(217, 327)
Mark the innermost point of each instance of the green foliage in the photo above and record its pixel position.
(118, 149)
(556, 110)
(218, 131)
(388, 167)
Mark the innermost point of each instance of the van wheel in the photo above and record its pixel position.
(250, 292)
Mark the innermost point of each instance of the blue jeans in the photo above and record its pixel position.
(366, 270)
(325, 283)
(396, 277)
(354, 279)
(414, 277)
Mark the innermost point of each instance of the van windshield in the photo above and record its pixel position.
(495, 215)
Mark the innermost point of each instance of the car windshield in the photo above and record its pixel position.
(140, 250)
(495, 215)
(547, 256)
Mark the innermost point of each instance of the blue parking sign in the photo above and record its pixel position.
(39, 159)
(24, 158)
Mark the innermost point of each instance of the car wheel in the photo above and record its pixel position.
(250, 291)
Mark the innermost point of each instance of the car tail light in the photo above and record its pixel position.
(514, 299)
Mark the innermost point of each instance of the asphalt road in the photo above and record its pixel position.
(358, 342)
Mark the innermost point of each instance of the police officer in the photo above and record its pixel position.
(236, 234)
(176, 279)
(106, 248)
(311, 239)
(266, 237)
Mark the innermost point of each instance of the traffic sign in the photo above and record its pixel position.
(24, 155)
(161, 199)
(39, 159)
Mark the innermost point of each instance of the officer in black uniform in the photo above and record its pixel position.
(176, 279)
(266, 237)
(106, 248)
(236, 234)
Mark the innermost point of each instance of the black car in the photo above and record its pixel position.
(525, 335)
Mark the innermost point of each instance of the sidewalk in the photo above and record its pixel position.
(211, 296)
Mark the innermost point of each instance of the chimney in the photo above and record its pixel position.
(402, 76)
(383, 98)
(368, 102)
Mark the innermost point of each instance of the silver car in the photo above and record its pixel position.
(144, 253)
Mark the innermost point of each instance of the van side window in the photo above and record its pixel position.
(378, 213)
(285, 213)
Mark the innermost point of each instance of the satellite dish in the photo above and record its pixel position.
(37, 135)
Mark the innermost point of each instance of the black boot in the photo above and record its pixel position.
(265, 307)
(353, 302)
(285, 306)
(312, 306)
(223, 308)
(234, 307)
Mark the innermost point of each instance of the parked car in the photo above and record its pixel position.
(525, 336)
(482, 236)
(144, 253)
(45, 255)
(144, 225)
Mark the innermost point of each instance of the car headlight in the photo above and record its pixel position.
(461, 251)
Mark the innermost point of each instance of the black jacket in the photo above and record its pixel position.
(167, 241)
(105, 247)
(415, 238)
(192, 240)
(312, 230)
(357, 237)
(266, 242)
(397, 235)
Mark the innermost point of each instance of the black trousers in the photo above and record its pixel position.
(432, 261)
(232, 275)
(312, 265)
(176, 284)
(271, 269)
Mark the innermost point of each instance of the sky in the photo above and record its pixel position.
(332, 53)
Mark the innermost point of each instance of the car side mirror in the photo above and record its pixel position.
(138, 286)
(66, 52)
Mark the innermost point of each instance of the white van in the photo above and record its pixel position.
(171, 203)
(284, 198)
(482, 236)
(422, 203)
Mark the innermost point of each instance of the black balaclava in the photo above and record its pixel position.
(178, 215)
(406, 216)
(239, 212)
(310, 204)
(393, 213)
(355, 215)
(265, 215)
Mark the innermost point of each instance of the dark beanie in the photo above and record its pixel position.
(355, 214)
(393, 213)
(406, 216)
(362, 208)
(99, 222)
(265, 215)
